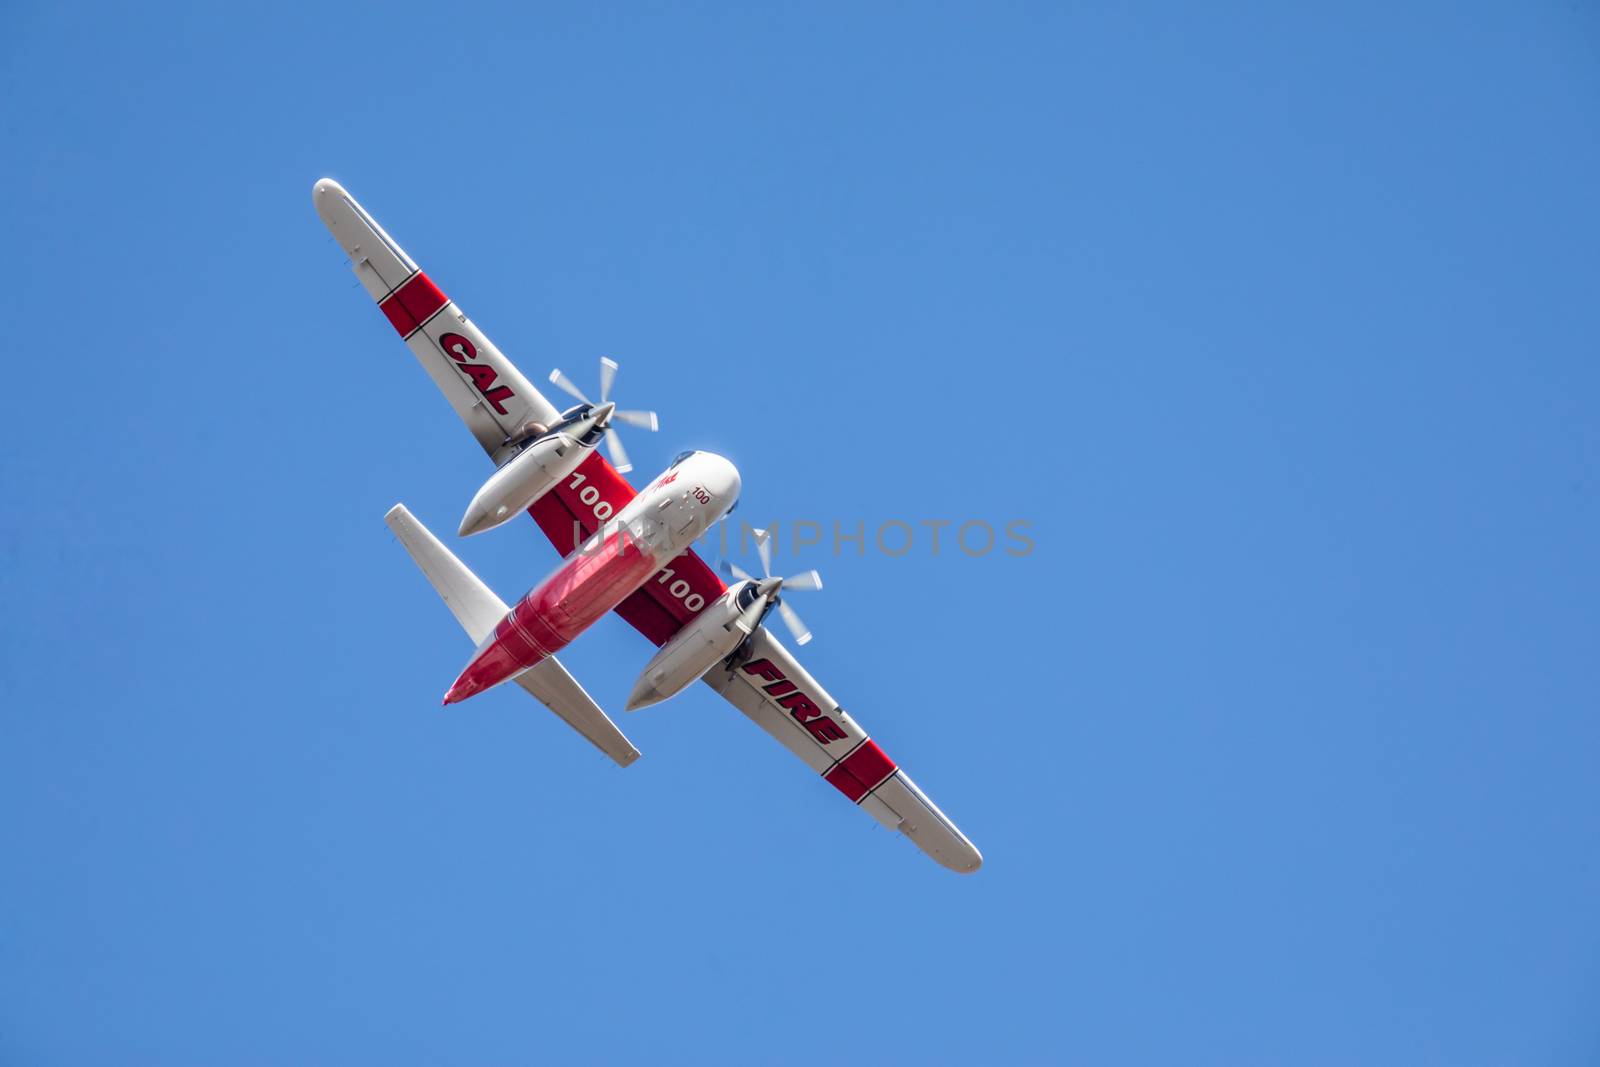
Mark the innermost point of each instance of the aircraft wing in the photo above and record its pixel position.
(769, 685)
(780, 696)
(486, 389)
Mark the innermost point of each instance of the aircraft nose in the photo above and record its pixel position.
(722, 479)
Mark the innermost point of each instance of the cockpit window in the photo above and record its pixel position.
(681, 456)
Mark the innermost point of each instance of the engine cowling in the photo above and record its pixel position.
(513, 488)
(712, 637)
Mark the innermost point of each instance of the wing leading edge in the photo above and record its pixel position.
(768, 684)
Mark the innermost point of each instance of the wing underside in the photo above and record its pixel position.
(483, 386)
(775, 692)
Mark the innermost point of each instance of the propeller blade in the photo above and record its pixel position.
(792, 621)
(608, 374)
(619, 455)
(810, 581)
(645, 420)
(564, 383)
(764, 549)
(733, 570)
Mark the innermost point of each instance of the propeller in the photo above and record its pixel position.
(768, 586)
(644, 420)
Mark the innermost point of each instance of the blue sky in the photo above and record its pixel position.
(1277, 325)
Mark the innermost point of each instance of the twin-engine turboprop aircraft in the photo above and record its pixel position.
(630, 552)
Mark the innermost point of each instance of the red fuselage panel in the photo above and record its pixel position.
(566, 518)
(586, 586)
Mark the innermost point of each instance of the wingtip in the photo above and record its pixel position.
(326, 187)
(336, 208)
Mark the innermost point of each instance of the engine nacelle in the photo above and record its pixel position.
(712, 637)
(531, 474)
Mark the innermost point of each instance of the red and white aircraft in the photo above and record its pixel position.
(630, 553)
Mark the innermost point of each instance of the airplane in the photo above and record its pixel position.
(628, 551)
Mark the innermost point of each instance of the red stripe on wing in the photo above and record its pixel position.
(861, 772)
(702, 579)
(650, 616)
(415, 301)
(558, 523)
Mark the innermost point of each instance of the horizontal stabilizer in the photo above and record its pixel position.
(474, 604)
(478, 611)
(553, 685)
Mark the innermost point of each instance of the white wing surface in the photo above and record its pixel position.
(780, 696)
(485, 388)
